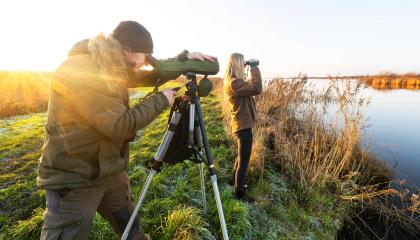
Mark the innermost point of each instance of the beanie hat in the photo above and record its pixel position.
(133, 35)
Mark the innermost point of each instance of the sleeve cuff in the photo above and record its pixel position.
(163, 98)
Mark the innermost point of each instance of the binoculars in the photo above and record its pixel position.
(250, 62)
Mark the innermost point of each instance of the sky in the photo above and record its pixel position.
(288, 37)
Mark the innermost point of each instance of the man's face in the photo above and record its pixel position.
(137, 60)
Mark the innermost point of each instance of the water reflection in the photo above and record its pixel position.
(397, 83)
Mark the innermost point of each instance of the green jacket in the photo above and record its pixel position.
(242, 104)
(88, 127)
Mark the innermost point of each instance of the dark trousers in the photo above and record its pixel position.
(244, 153)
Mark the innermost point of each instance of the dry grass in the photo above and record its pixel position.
(388, 80)
(23, 92)
(314, 138)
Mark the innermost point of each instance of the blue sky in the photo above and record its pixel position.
(313, 37)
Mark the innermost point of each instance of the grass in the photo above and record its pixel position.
(185, 223)
(21, 141)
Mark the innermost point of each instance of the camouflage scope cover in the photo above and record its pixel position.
(169, 69)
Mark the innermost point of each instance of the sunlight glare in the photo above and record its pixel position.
(147, 68)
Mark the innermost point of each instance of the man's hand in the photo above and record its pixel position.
(170, 95)
(200, 56)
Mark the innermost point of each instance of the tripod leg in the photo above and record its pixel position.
(158, 157)
(203, 188)
(198, 140)
(191, 121)
(210, 165)
(197, 133)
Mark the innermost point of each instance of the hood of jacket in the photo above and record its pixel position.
(80, 47)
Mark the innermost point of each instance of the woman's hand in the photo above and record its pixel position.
(200, 56)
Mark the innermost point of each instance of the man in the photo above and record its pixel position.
(85, 154)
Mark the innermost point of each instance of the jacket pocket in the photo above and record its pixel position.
(110, 159)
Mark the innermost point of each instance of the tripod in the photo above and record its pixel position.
(197, 138)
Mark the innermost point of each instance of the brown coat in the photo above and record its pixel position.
(89, 127)
(240, 95)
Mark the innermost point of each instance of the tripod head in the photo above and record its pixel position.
(192, 86)
(194, 89)
(200, 89)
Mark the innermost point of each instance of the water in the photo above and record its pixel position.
(393, 118)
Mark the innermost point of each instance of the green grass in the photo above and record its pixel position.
(21, 140)
(172, 208)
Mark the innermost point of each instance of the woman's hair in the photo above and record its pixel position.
(109, 54)
(235, 69)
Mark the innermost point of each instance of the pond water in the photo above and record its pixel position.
(393, 119)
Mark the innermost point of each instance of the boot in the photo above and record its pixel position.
(240, 194)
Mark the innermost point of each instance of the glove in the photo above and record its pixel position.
(253, 63)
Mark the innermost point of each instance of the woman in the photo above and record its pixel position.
(239, 94)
